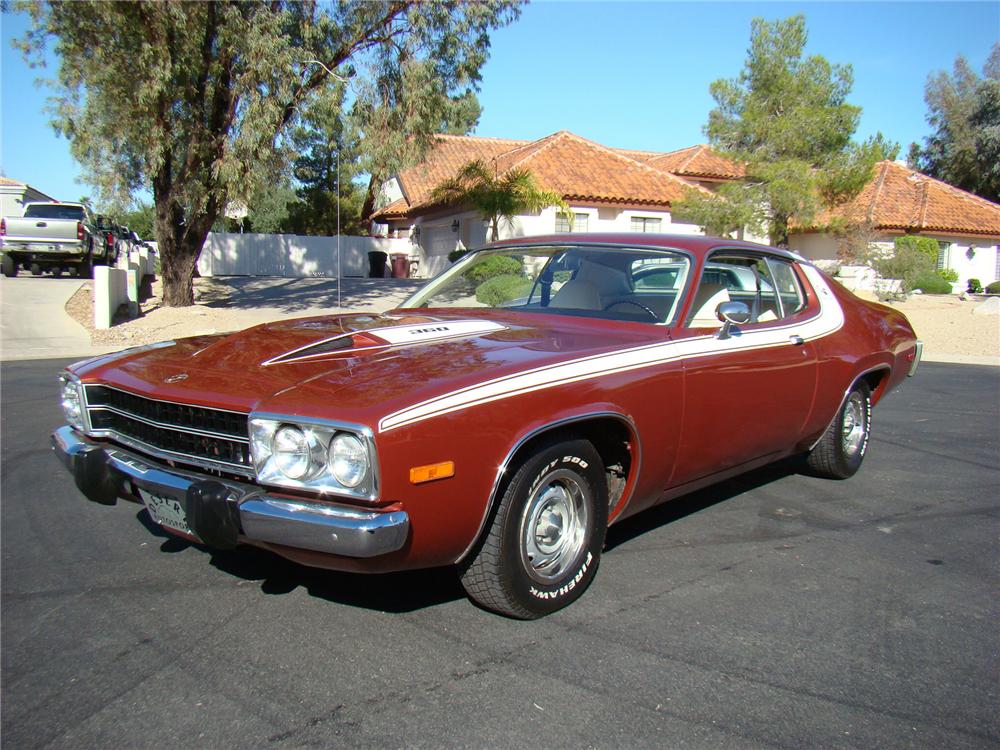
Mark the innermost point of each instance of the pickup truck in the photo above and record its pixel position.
(51, 236)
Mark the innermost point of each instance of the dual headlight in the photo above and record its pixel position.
(71, 399)
(313, 456)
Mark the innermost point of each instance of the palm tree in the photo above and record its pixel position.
(495, 196)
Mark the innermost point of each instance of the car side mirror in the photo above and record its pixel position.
(732, 314)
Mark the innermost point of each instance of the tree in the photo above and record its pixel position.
(964, 112)
(497, 197)
(196, 99)
(787, 118)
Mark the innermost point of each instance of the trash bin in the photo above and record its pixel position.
(400, 266)
(376, 264)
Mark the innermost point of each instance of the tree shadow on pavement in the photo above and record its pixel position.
(301, 295)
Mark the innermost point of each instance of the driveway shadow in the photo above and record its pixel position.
(407, 591)
(302, 295)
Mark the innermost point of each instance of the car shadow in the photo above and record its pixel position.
(686, 505)
(406, 591)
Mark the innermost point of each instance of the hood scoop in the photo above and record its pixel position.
(380, 338)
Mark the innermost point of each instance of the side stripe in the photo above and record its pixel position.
(829, 319)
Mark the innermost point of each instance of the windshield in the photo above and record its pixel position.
(53, 211)
(613, 283)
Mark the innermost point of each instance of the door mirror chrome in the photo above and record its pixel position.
(732, 314)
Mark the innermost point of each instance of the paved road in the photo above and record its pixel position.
(33, 323)
(776, 610)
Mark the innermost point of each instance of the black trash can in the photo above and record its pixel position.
(376, 264)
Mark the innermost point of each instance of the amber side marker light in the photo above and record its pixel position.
(421, 474)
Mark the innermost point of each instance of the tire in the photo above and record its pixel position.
(9, 267)
(544, 544)
(839, 453)
(36, 270)
(85, 269)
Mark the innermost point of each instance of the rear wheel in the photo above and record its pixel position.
(36, 270)
(839, 453)
(9, 267)
(544, 544)
(86, 269)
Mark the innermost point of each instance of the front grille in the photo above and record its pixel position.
(171, 430)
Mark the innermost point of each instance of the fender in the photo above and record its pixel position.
(540, 430)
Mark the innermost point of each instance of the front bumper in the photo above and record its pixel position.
(221, 512)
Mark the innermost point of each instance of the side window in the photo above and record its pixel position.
(737, 278)
(790, 292)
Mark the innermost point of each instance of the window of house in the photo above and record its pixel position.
(944, 255)
(646, 224)
(579, 222)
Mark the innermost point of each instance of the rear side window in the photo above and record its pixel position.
(793, 300)
(41, 211)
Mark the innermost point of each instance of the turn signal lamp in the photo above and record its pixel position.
(421, 474)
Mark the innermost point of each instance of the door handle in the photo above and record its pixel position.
(796, 339)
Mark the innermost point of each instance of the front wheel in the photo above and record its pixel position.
(839, 453)
(544, 544)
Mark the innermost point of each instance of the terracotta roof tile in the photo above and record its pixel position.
(8, 181)
(698, 161)
(898, 197)
(574, 167)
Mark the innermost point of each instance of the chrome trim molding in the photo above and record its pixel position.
(502, 469)
(172, 427)
(291, 522)
(185, 458)
(916, 359)
(843, 399)
(160, 400)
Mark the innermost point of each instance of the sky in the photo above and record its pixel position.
(625, 74)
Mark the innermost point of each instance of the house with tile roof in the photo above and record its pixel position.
(606, 189)
(899, 200)
(621, 190)
(14, 194)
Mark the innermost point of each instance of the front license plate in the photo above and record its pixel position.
(166, 511)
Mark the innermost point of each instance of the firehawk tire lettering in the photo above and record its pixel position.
(542, 549)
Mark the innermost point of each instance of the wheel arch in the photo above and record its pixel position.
(875, 377)
(614, 437)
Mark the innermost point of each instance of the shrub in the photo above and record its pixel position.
(993, 288)
(907, 264)
(925, 245)
(456, 254)
(932, 283)
(948, 274)
(494, 265)
(975, 286)
(494, 292)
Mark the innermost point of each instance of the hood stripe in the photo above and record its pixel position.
(829, 319)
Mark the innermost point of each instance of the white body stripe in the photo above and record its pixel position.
(829, 319)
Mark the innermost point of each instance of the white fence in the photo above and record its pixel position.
(290, 255)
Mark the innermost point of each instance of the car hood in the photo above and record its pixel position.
(357, 367)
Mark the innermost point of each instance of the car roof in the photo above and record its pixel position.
(693, 243)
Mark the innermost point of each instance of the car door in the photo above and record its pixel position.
(749, 395)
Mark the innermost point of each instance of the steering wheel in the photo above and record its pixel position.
(641, 306)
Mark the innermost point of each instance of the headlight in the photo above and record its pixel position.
(348, 459)
(291, 452)
(320, 456)
(72, 403)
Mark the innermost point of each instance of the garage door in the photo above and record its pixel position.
(437, 243)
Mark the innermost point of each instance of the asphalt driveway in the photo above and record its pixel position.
(774, 610)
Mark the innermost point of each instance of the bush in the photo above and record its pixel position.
(456, 254)
(932, 284)
(993, 288)
(907, 264)
(948, 274)
(925, 245)
(494, 265)
(494, 292)
(975, 286)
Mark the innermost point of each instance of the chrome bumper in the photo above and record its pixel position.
(220, 511)
(916, 358)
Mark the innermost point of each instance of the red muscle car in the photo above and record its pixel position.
(498, 421)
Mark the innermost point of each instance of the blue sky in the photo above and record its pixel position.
(628, 75)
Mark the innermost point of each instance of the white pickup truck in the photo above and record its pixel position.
(51, 236)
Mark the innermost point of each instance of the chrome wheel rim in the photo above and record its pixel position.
(553, 528)
(855, 424)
